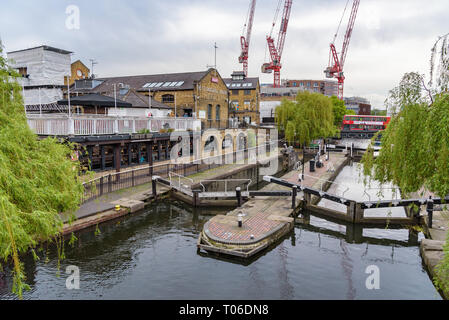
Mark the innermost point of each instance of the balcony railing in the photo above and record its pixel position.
(57, 125)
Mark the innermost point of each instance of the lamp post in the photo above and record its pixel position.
(303, 160)
(115, 108)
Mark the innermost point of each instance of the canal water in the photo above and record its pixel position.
(153, 255)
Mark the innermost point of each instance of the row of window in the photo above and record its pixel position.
(246, 92)
(356, 118)
(238, 85)
(307, 84)
(209, 112)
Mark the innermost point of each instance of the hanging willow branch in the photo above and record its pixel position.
(38, 180)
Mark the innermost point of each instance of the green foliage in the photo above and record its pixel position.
(37, 179)
(350, 112)
(143, 131)
(442, 271)
(339, 111)
(309, 117)
(377, 112)
(415, 152)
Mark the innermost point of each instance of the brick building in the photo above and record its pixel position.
(359, 105)
(244, 96)
(202, 95)
(326, 87)
(78, 71)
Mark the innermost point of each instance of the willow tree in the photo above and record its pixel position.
(308, 117)
(38, 180)
(415, 144)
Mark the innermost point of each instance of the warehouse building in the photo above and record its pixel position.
(244, 98)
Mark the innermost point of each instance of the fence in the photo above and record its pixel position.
(56, 125)
(128, 179)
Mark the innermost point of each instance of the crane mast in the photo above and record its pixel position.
(276, 50)
(335, 68)
(244, 42)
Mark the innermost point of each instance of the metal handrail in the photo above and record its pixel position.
(179, 180)
(226, 183)
(325, 180)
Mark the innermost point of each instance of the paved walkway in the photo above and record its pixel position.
(107, 201)
(263, 216)
(144, 191)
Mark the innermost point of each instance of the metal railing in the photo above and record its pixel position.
(226, 182)
(176, 182)
(60, 125)
(131, 178)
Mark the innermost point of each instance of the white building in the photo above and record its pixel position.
(43, 70)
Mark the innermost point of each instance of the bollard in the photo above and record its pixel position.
(240, 220)
(132, 178)
(195, 198)
(101, 185)
(238, 192)
(153, 186)
(429, 210)
(294, 193)
(117, 207)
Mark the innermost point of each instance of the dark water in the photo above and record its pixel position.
(152, 255)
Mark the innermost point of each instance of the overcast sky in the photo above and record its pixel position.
(390, 37)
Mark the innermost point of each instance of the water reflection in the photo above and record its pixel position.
(152, 255)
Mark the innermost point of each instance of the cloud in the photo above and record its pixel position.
(390, 37)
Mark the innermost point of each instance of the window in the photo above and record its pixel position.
(235, 92)
(217, 112)
(247, 104)
(22, 71)
(173, 84)
(158, 84)
(209, 112)
(168, 98)
(301, 84)
(247, 92)
(180, 83)
(166, 84)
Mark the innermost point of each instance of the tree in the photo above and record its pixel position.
(309, 117)
(415, 152)
(38, 180)
(339, 111)
(377, 112)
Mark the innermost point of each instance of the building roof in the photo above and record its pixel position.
(95, 99)
(139, 100)
(246, 84)
(47, 48)
(162, 82)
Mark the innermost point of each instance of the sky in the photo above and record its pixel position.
(390, 37)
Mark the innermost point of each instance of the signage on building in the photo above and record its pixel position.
(214, 80)
(202, 114)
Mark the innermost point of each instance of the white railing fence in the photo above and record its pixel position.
(57, 125)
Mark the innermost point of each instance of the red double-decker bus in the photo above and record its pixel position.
(363, 127)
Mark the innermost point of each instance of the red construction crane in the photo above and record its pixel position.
(276, 51)
(243, 58)
(335, 68)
